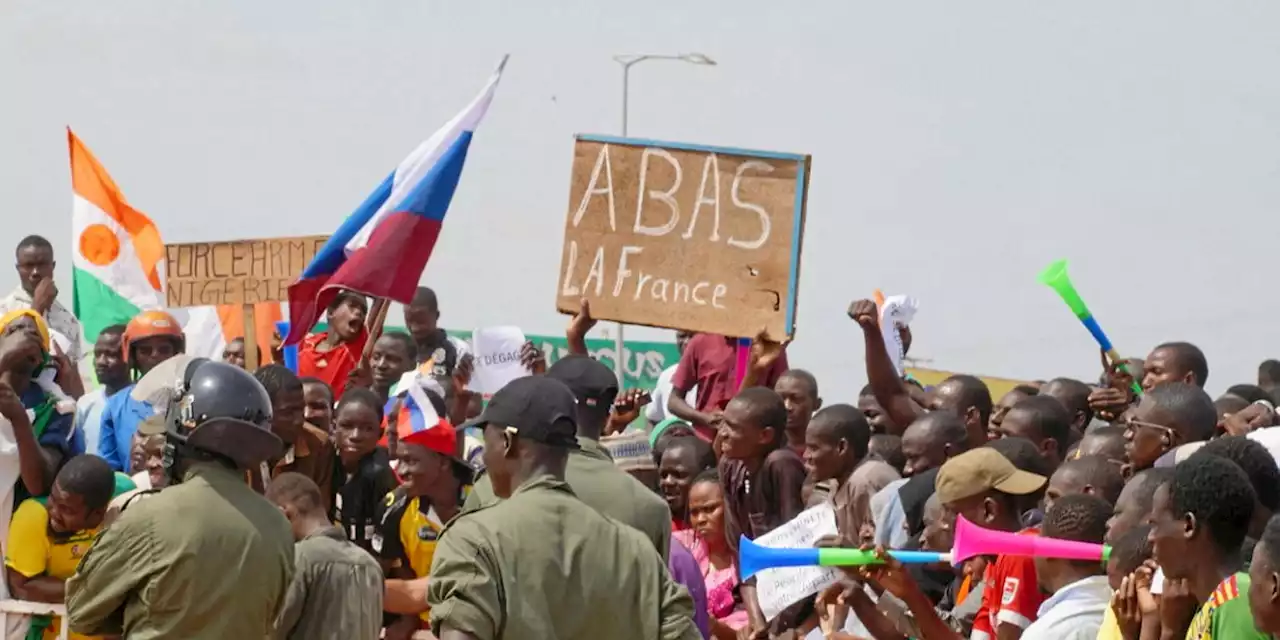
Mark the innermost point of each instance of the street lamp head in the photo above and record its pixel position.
(697, 58)
(626, 60)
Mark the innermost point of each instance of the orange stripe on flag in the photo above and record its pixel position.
(265, 317)
(92, 182)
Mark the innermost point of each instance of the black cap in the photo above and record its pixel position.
(592, 383)
(538, 408)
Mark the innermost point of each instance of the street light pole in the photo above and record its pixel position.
(627, 61)
(626, 94)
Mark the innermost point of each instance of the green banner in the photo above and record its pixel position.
(643, 361)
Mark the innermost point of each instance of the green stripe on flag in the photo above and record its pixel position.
(97, 305)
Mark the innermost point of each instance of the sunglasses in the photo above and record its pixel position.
(1131, 426)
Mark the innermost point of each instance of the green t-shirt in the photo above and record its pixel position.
(1225, 614)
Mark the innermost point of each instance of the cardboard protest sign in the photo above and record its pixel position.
(776, 589)
(236, 272)
(684, 236)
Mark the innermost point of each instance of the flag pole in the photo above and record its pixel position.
(373, 326)
(250, 338)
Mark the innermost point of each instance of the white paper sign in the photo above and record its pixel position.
(497, 358)
(776, 589)
(897, 311)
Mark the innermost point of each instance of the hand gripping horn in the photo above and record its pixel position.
(1055, 276)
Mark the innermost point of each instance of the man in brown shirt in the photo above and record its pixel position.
(835, 455)
(336, 593)
(308, 449)
(762, 479)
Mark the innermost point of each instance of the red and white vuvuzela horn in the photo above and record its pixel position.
(972, 540)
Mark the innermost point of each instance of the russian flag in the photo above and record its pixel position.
(418, 423)
(382, 248)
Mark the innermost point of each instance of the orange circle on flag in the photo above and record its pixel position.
(99, 244)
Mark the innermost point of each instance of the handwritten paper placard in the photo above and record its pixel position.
(684, 236)
(497, 358)
(776, 589)
(237, 272)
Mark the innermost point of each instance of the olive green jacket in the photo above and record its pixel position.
(597, 481)
(206, 559)
(544, 565)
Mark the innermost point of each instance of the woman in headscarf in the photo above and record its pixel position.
(28, 372)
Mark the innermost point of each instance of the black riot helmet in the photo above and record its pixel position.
(206, 408)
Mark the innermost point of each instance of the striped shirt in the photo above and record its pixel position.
(1225, 615)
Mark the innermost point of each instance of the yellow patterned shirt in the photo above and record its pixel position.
(31, 552)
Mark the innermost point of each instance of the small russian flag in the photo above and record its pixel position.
(417, 420)
(419, 424)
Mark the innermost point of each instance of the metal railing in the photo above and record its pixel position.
(24, 608)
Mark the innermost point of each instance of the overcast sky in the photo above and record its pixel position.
(958, 147)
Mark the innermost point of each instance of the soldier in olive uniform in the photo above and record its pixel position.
(591, 472)
(207, 557)
(540, 563)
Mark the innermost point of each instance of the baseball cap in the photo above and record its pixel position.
(592, 383)
(439, 436)
(983, 469)
(538, 408)
(661, 428)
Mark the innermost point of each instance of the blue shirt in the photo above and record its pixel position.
(891, 521)
(120, 419)
(88, 422)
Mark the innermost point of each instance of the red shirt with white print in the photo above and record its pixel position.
(1011, 595)
(332, 366)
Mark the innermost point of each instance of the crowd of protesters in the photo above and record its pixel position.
(565, 508)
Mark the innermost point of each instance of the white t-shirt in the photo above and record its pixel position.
(657, 410)
(9, 475)
(1268, 437)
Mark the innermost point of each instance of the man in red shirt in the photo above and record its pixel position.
(709, 362)
(985, 488)
(332, 356)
